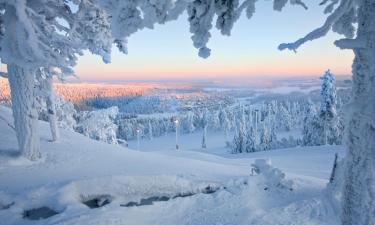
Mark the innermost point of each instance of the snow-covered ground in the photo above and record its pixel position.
(189, 186)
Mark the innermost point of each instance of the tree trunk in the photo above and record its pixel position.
(359, 188)
(22, 85)
(51, 110)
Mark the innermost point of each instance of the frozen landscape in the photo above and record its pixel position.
(107, 118)
(146, 180)
(78, 169)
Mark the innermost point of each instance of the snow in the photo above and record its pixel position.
(78, 169)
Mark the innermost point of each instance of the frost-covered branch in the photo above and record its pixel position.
(299, 2)
(351, 43)
(343, 8)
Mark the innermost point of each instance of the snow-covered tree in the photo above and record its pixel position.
(239, 139)
(284, 118)
(328, 112)
(44, 34)
(355, 20)
(46, 94)
(240, 135)
(51, 33)
(99, 125)
(150, 133)
(250, 140)
(188, 122)
(31, 37)
(225, 125)
(205, 121)
(65, 113)
(265, 139)
(312, 127)
(273, 136)
(214, 121)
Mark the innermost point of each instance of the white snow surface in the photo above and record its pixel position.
(78, 169)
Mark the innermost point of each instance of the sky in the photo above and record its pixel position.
(167, 53)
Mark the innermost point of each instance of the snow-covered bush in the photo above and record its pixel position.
(99, 125)
(273, 178)
(289, 142)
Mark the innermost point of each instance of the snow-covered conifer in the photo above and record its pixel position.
(328, 112)
(250, 140)
(265, 140)
(188, 123)
(225, 125)
(239, 139)
(312, 127)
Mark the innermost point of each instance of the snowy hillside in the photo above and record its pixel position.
(83, 181)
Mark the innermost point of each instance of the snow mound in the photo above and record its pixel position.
(272, 177)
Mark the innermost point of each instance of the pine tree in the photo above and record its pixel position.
(312, 128)
(328, 113)
(189, 124)
(239, 139)
(250, 140)
(264, 139)
(273, 136)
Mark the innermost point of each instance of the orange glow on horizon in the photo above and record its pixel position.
(207, 71)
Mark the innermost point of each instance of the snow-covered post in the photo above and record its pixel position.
(176, 122)
(204, 144)
(205, 120)
(138, 138)
(269, 115)
(22, 84)
(256, 119)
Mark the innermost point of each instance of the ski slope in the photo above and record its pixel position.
(188, 186)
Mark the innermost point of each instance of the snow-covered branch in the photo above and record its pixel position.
(343, 8)
(351, 43)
